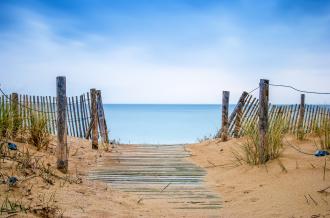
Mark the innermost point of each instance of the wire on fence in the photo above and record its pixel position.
(302, 91)
(253, 90)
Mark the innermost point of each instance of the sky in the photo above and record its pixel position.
(166, 51)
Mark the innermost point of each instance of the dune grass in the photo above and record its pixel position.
(6, 122)
(322, 132)
(11, 127)
(250, 151)
(38, 134)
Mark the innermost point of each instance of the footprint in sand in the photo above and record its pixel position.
(254, 199)
(247, 191)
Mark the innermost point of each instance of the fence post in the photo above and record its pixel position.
(263, 117)
(95, 134)
(62, 147)
(14, 107)
(224, 126)
(301, 113)
(238, 113)
(101, 117)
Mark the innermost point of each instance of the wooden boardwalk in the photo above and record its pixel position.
(159, 172)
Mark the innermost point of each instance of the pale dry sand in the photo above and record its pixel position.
(266, 191)
(246, 191)
(88, 199)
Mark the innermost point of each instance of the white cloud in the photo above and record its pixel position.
(156, 71)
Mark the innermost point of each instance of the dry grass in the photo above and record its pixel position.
(323, 133)
(6, 122)
(11, 128)
(38, 134)
(250, 151)
(26, 166)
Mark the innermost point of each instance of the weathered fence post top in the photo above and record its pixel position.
(62, 148)
(224, 125)
(263, 118)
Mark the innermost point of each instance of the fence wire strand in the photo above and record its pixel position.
(299, 90)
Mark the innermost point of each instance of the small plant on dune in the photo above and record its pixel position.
(6, 122)
(10, 123)
(38, 134)
(206, 138)
(323, 134)
(301, 134)
(250, 150)
(104, 146)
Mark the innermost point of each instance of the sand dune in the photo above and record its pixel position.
(270, 190)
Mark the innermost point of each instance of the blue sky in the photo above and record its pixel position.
(165, 51)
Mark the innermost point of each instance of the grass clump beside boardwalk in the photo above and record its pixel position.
(250, 151)
(38, 134)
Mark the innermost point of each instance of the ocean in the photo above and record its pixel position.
(162, 123)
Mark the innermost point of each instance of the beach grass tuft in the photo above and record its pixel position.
(250, 151)
(38, 134)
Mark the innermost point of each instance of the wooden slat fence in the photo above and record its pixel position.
(78, 112)
(246, 113)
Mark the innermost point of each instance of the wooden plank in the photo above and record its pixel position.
(38, 107)
(318, 114)
(15, 111)
(29, 112)
(79, 120)
(294, 112)
(83, 117)
(296, 117)
(87, 116)
(73, 117)
(239, 105)
(239, 113)
(89, 130)
(52, 119)
(311, 125)
(247, 116)
(70, 118)
(20, 115)
(26, 110)
(102, 120)
(254, 113)
(55, 110)
(272, 113)
(34, 106)
(95, 119)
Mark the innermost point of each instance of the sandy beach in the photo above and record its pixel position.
(70, 195)
(293, 190)
(269, 190)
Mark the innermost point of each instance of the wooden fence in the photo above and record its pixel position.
(247, 108)
(78, 112)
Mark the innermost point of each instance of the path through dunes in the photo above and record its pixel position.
(159, 172)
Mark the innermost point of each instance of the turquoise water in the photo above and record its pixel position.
(162, 124)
